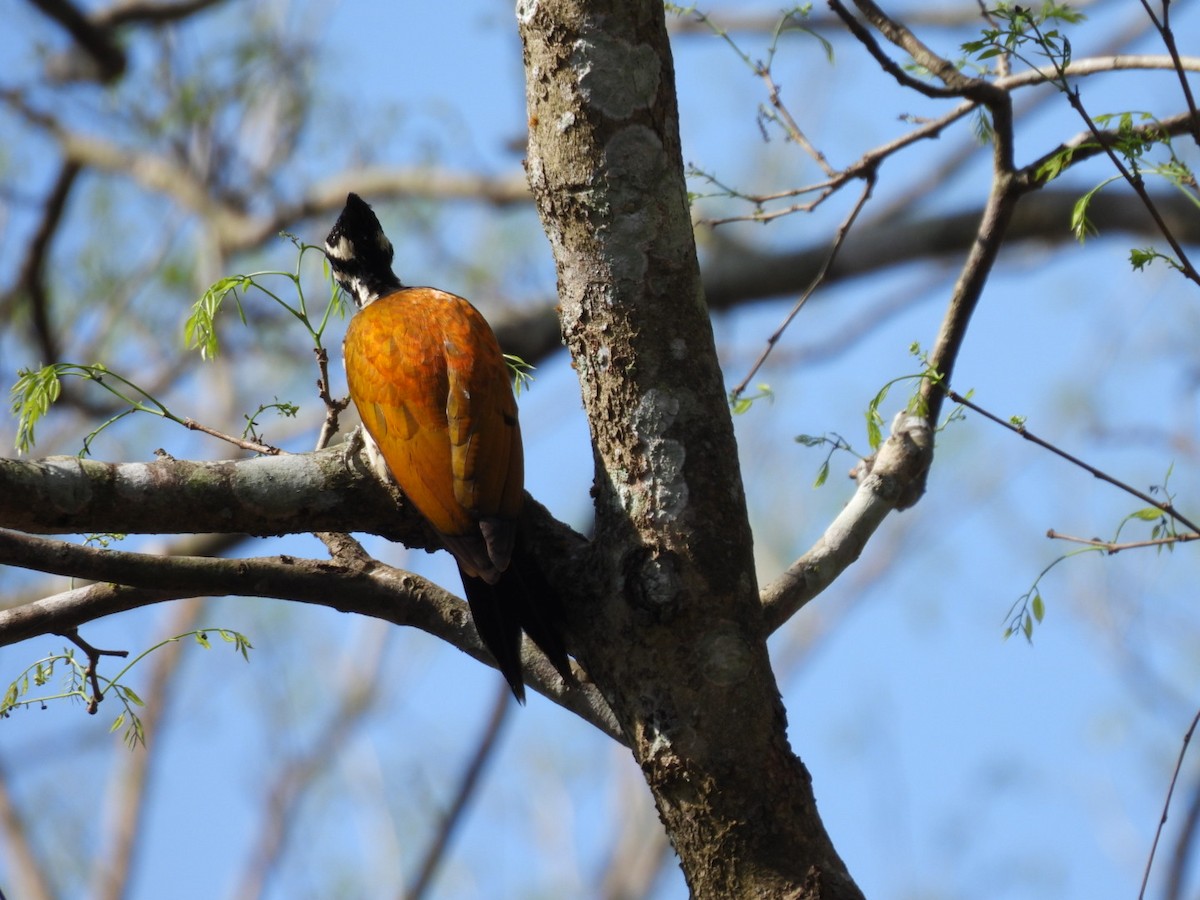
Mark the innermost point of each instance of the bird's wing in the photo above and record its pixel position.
(429, 380)
(396, 372)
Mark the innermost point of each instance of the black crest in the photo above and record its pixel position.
(360, 253)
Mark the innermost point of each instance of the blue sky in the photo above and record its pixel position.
(947, 762)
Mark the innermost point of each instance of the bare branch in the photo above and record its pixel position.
(957, 84)
(149, 12)
(105, 53)
(738, 272)
(126, 804)
(1167, 508)
(449, 821)
(30, 284)
(1185, 845)
(1163, 26)
(295, 776)
(838, 239)
(27, 876)
(331, 490)
(886, 483)
(975, 271)
(1099, 65)
(766, 23)
(234, 228)
(1113, 547)
(1187, 739)
(374, 590)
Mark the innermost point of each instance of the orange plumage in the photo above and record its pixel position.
(428, 378)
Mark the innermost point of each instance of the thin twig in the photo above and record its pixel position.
(333, 408)
(1168, 38)
(1166, 507)
(838, 239)
(295, 777)
(1187, 738)
(790, 124)
(1112, 547)
(24, 871)
(91, 672)
(485, 748)
(125, 810)
(1134, 178)
(252, 446)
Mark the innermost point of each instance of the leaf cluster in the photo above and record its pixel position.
(36, 390)
(76, 676)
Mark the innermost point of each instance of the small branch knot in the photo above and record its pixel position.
(901, 464)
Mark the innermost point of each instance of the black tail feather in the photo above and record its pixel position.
(498, 627)
(541, 609)
(522, 600)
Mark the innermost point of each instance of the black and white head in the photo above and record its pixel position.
(360, 253)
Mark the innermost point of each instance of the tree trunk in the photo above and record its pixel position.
(668, 621)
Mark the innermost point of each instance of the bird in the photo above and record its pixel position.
(428, 378)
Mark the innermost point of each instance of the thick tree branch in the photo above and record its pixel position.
(31, 278)
(329, 490)
(106, 55)
(375, 589)
(150, 12)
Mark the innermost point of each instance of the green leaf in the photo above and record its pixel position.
(1081, 227)
(741, 403)
(135, 734)
(200, 330)
(1039, 607)
(822, 474)
(32, 396)
(874, 419)
(1149, 514)
(874, 429)
(1052, 167)
(131, 695)
(1139, 259)
(521, 372)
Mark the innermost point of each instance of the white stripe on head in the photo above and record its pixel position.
(343, 249)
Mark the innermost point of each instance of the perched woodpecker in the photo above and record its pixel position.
(435, 395)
